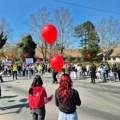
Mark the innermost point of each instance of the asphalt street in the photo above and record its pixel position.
(100, 101)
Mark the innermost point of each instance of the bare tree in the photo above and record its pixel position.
(5, 27)
(62, 20)
(36, 22)
(64, 23)
(109, 32)
(6, 30)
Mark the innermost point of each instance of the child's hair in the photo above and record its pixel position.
(36, 82)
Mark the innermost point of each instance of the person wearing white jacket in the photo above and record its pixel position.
(99, 72)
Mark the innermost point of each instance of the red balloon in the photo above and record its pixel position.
(89, 56)
(49, 33)
(57, 63)
(38, 60)
(25, 55)
(12, 56)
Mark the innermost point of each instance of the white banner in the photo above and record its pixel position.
(8, 63)
(29, 60)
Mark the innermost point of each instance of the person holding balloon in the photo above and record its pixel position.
(66, 99)
(56, 63)
(54, 75)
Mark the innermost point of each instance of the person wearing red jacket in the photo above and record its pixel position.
(38, 98)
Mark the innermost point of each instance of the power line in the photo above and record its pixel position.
(82, 6)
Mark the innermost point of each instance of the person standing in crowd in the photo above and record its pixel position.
(80, 71)
(107, 71)
(1, 73)
(23, 69)
(66, 99)
(19, 70)
(32, 69)
(38, 98)
(15, 69)
(49, 69)
(73, 71)
(43, 69)
(93, 73)
(54, 75)
(104, 73)
(9, 70)
(84, 70)
(1, 67)
(88, 70)
(69, 67)
(40, 67)
(114, 71)
(29, 71)
(99, 70)
(118, 71)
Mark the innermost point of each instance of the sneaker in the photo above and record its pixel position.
(56, 82)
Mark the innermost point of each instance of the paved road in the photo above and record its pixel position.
(100, 101)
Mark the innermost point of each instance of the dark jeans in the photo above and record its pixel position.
(114, 76)
(55, 78)
(104, 77)
(1, 79)
(38, 114)
(14, 74)
(119, 75)
(93, 76)
(23, 72)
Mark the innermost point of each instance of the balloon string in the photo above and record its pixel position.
(52, 88)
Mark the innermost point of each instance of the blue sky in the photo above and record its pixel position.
(17, 12)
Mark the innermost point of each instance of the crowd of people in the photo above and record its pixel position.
(17, 70)
(66, 97)
(102, 72)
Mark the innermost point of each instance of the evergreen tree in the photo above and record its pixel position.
(88, 40)
(3, 40)
(28, 46)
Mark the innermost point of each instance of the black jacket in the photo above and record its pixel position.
(114, 68)
(71, 107)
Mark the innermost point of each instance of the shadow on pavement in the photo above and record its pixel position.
(24, 104)
(9, 96)
(8, 81)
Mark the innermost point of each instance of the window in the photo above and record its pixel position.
(114, 58)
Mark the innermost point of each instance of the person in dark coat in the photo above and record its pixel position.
(118, 71)
(114, 71)
(54, 75)
(93, 73)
